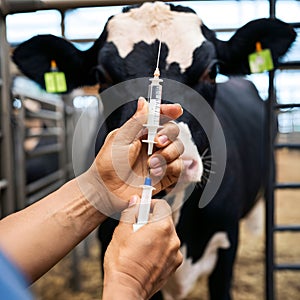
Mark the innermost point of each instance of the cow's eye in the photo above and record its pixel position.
(210, 72)
(213, 71)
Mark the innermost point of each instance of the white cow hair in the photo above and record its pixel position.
(254, 221)
(153, 21)
(190, 151)
(177, 203)
(185, 277)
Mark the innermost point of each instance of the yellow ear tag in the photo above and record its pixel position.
(261, 60)
(55, 81)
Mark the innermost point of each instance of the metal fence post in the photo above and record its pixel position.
(7, 204)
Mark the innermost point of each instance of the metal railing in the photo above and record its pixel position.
(13, 6)
(272, 227)
(6, 164)
(51, 113)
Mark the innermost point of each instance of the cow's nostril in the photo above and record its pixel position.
(190, 164)
(193, 165)
(193, 170)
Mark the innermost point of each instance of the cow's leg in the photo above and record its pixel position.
(220, 279)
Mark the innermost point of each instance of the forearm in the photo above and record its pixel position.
(37, 237)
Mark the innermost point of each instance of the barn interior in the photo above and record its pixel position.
(37, 127)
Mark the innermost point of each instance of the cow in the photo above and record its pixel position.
(192, 55)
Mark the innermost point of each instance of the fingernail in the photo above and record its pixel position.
(162, 139)
(157, 171)
(154, 162)
(141, 102)
(132, 201)
(179, 105)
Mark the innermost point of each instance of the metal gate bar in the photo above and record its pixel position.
(271, 227)
(14, 6)
(6, 164)
(51, 110)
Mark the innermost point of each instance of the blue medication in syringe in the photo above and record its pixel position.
(145, 204)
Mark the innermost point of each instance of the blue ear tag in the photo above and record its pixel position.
(55, 81)
(261, 60)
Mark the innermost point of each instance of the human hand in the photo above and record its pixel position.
(122, 163)
(135, 266)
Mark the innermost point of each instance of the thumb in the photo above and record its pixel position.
(129, 214)
(129, 131)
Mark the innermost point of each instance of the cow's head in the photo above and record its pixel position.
(128, 47)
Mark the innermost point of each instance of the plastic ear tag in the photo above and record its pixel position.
(261, 60)
(55, 81)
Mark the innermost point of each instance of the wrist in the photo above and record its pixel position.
(74, 211)
(101, 192)
(94, 191)
(120, 287)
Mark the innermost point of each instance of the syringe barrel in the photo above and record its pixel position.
(155, 88)
(154, 96)
(145, 205)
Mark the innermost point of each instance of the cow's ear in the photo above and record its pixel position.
(273, 34)
(34, 57)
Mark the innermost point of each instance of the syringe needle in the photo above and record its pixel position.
(158, 54)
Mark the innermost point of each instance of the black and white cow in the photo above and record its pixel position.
(190, 54)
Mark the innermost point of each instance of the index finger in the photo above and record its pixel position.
(129, 131)
(171, 111)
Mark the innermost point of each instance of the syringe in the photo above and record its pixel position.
(154, 98)
(145, 204)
